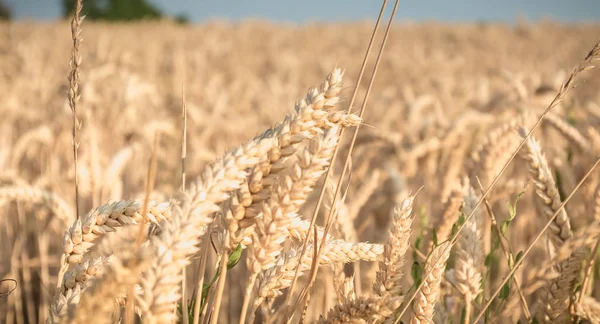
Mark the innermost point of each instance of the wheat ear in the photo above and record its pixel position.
(588, 309)
(426, 297)
(311, 116)
(491, 154)
(546, 190)
(469, 254)
(99, 303)
(287, 195)
(556, 295)
(569, 132)
(180, 236)
(86, 230)
(363, 309)
(389, 276)
(61, 209)
(74, 283)
(274, 280)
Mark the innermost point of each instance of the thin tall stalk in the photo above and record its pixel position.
(329, 170)
(73, 94)
(303, 298)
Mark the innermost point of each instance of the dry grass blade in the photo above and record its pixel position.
(141, 236)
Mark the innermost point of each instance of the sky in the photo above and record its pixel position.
(294, 11)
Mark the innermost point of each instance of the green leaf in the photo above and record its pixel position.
(423, 218)
(418, 243)
(234, 257)
(232, 261)
(559, 184)
(488, 260)
(416, 272)
(571, 118)
(495, 242)
(458, 224)
(511, 260)
(512, 211)
(454, 229)
(519, 256)
(505, 291)
(504, 226)
(191, 305)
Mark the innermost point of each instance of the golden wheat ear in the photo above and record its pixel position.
(288, 194)
(389, 278)
(546, 190)
(427, 296)
(363, 309)
(468, 268)
(88, 229)
(555, 296)
(180, 236)
(312, 116)
(588, 309)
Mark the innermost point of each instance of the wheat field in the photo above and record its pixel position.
(224, 233)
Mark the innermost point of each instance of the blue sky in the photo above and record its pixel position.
(340, 10)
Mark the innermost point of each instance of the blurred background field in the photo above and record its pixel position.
(441, 89)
